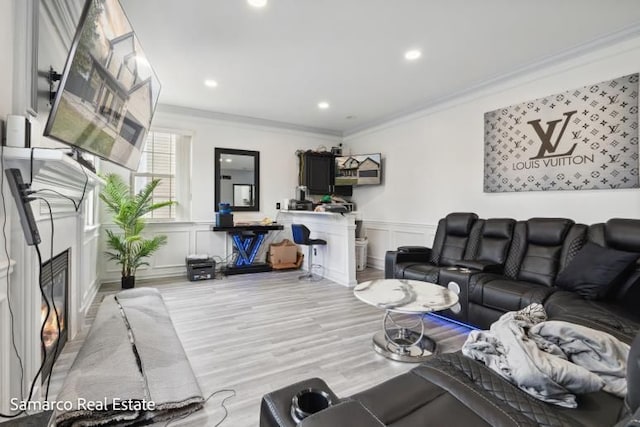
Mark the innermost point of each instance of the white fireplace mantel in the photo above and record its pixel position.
(50, 165)
(52, 169)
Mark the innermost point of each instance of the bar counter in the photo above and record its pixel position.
(338, 257)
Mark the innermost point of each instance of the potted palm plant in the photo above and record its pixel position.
(128, 248)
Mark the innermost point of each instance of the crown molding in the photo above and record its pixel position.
(460, 96)
(252, 121)
(428, 107)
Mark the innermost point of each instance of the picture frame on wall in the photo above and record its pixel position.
(581, 139)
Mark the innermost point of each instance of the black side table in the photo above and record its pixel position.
(456, 279)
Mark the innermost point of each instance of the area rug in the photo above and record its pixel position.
(132, 369)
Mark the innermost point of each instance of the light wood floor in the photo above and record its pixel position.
(256, 333)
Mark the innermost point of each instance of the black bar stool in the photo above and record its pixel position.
(301, 237)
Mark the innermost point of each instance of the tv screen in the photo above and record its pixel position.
(108, 90)
(359, 169)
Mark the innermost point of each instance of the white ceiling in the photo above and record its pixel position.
(277, 63)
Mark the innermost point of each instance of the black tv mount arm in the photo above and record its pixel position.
(52, 78)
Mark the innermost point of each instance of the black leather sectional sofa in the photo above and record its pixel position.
(499, 265)
(455, 391)
(578, 272)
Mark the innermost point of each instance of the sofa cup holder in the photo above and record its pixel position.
(307, 402)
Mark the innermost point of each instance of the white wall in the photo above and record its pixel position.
(278, 179)
(278, 162)
(433, 160)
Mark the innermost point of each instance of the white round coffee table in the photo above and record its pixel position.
(397, 342)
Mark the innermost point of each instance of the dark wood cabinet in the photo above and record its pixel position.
(318, 172)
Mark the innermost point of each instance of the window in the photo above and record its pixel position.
(165, 157)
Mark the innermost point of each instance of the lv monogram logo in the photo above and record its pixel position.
(548, 148)
(614, 158)
(613, 99)
(576, 134)
(614, 128)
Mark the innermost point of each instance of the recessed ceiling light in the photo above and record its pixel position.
(412, 55)
(210, 83)
(228, 160)
(323, 105)
(257, 3)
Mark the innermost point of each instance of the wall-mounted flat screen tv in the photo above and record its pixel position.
(108, 90)
(359, 169)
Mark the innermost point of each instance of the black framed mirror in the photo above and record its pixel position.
(237, 179)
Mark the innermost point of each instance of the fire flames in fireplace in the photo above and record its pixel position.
(50, 331)
(54, 276)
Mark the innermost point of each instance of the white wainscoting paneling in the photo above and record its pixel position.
(183, 238)
(386, 236)
(207, 242)
(194, 237)
(89, 273)
(379, 242)
(173, 253)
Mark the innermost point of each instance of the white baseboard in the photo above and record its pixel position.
(156, 273)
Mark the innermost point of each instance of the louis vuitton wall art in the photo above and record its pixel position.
(582, 139)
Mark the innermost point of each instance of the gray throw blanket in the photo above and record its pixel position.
(551, 360)
(131, 369)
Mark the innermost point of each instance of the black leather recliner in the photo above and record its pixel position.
(487, 251)
(452, 390)
(489, 245)
(632, 401)
(618, 312)
(449, 246)
(541, 247)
